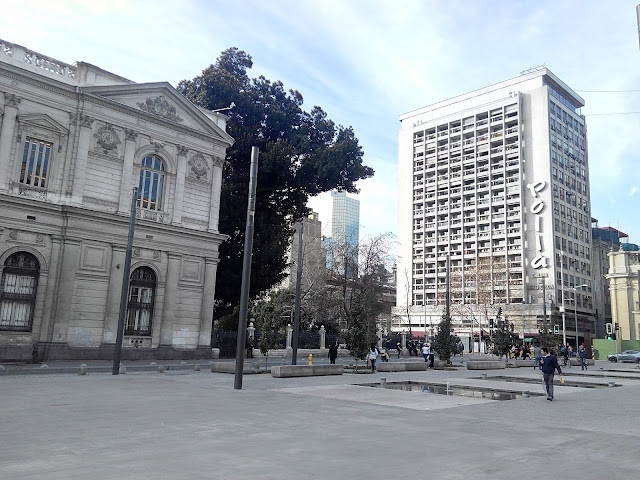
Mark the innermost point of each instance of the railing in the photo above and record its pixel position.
(37, 60)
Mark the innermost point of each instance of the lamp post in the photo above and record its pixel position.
(575, 311)
(564, 317)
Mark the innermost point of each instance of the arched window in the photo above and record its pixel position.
(18, 288)
(151, 184)
(142, 289)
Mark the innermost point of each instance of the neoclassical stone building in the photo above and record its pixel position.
(74, 142)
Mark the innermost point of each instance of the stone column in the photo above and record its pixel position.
(289, 336)
(124, 206)
(323, 342)
(6, 136)
(80, 170)
(64, 294)
(110, 329)
(52, 283)
(216, 189)
(403, 342)
(208, 296)
(181, 174)
(170, 298)
(379, 334)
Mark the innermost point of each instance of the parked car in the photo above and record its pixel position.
(626, 356)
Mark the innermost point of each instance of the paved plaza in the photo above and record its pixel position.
(184, 424)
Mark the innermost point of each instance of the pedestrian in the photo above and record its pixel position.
(425, 352)
(333, 353)
(388, 344)
(570, 349)
(384, 354)
(525, 353)
(432, 356)
(248, 345)
(373, 356)
(549, 365)
(399, 348)
(582, 353)
(461, 348)
(564, 351)
(537, 354)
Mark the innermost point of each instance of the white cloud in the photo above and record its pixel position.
(633, 191)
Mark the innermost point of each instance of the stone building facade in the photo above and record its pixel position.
(624, 285)
(74, 142)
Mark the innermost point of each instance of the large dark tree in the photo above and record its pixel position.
(301, 154)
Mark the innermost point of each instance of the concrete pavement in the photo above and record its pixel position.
(193, 425)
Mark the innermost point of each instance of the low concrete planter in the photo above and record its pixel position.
(576, 361)
(230, 367)
(524, 363)
(485, 365)
(401, 366)
(286, 371)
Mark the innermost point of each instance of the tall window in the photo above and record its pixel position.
(18, 291)
(140, 307)
(151, 184)
(35, 162)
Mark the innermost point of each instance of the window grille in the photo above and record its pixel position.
(35, 162)
(18, 288)
(140, 305)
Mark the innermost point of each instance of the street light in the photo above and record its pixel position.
(562, 309)
(575, 311)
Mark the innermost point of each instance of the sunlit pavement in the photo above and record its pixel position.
(185, 424)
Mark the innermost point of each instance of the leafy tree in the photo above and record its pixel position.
(360, 334)
(271, 318)
(302, 154)
(445, 342)
(503, 336)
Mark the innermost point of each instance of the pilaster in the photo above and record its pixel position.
(216, 188)
(110, 329)
(48, 318)
(170, 298)
(180, 178)
(80, 171)
(67, 279)
(208, 295)
(124, 205)
(6, 137)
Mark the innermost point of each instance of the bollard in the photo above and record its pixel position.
(311, 359)
(484, 376)
(161, 369)
(612, 384)
(196, 368)
(383, 380)
(447, 388)
(83, 369)
(122, 370)
(183, 363)
(44, 365)
(154, 364)
(526, 394)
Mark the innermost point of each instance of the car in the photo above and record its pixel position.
(626, 356)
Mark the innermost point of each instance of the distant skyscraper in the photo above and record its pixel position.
(345, 224)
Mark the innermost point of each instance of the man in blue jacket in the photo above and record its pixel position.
(549, 364)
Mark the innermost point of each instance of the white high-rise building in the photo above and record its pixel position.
(496, 180)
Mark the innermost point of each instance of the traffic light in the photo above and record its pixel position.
(609, 329)
(491, 323)
(556, 330)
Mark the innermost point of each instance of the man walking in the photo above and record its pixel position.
(333, 353)
(425, 352)
(432, 355)
(582, 353)
(549, 364)
(537, 354)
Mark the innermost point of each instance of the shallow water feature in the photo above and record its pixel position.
(556, 381)
(456, 390)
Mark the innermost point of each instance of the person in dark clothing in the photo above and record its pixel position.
(549, 365)
(248, 344)
(399, 348)
(333, 353)
(525, 353)
(582, 353)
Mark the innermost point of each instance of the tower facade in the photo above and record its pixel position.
(497, 181)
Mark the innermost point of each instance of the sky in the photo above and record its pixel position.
(365, 62)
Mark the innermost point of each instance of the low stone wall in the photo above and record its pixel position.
(485, 365)
(576, 361)
(285, 371)
(230, 367)
(524, 363)
(401, 366)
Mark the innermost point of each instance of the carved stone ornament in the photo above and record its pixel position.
(86, 121)
(182, 150)
(11, 100)
(107, 138)
(157, 146)
(160, 106)
(199, 166)
(130, 134)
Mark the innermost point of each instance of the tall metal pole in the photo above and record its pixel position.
(296, 318)
(448, 293)
(562, 309)
(246, 269)
(575, 314)
(126, 273)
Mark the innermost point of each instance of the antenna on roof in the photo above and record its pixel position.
(533, 69)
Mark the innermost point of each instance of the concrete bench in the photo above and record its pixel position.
(524, 363)
(286, 371)
(230, 367)
(576, 361)
(485, 365)
(401, 366)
